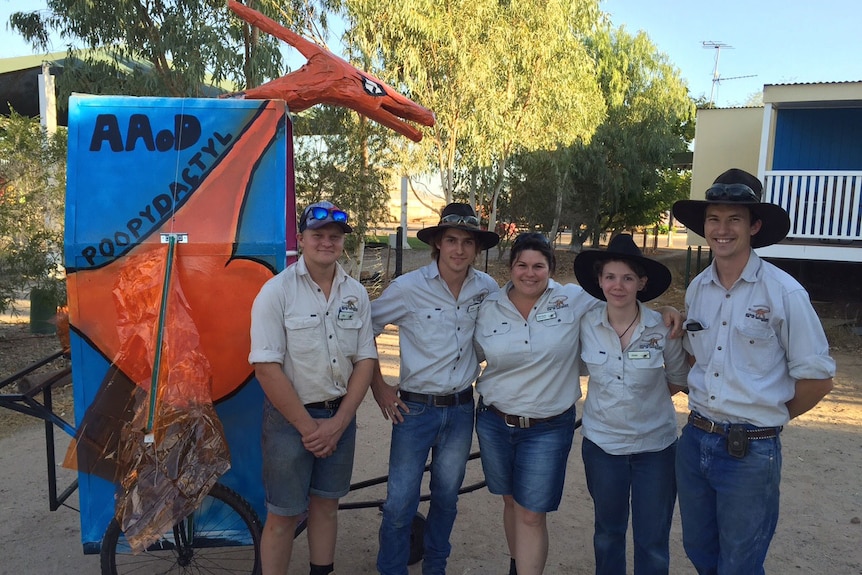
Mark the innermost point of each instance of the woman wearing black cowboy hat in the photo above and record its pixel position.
(629, 422)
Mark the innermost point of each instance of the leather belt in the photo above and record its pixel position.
(328, 404)
(519, 421)
(709, 426)
(459, 398)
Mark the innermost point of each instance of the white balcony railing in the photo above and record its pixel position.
(823, 205)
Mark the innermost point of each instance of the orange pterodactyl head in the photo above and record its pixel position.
(327, 79)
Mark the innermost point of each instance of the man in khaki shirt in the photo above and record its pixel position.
(313, 352)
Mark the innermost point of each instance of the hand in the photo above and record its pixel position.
(323, 441)
(389, 402)
(672, 319)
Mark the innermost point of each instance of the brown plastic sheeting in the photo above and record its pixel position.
(164, 475)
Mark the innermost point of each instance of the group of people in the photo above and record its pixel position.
(752, 357)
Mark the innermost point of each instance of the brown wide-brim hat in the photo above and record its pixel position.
(460, 217)
(621, 247)
(729, 188)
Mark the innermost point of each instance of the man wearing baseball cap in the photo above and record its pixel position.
(313, 352)
(761, 359)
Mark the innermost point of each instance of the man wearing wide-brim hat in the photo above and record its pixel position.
(761, 359)
(431, 409)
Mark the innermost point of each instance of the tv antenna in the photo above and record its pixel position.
(716, 79)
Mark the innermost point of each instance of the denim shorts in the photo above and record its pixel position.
(291, 473)
(528, 464)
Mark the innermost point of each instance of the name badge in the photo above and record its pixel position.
(345, 314)
(638, 355)
(546, 316)
(472, 308)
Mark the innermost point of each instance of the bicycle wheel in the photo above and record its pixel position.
(221, 536)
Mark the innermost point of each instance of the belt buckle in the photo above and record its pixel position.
(703, 423)
(521, 422)
(439, 401)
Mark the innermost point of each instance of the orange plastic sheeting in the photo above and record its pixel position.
(164, 477)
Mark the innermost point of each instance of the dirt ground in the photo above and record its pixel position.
(821, 501)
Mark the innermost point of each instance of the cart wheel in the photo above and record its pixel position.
(221, 536)
(417, 539)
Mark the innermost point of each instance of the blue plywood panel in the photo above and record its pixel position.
(218, 170)
(818, 139)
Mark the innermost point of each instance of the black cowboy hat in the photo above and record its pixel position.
(622, 247)
(737, 186)
(460, 217)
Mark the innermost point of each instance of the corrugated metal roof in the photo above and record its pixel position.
(27, 62)
(814, 83)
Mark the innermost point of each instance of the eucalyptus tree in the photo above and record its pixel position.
(164, 47)
(32, 184)
(500, 77)
(617, 176)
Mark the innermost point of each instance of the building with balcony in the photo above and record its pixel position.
(805, 145)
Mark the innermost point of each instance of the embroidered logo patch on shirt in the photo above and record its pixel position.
(759, 313)
(349, 303)
(652, 341)
(558, 302)
(348, 308)
(480, 297)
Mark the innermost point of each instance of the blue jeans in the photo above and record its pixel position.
(649, 479)
(528, 464)
(728, 506)
(291, 473)
(447, 432)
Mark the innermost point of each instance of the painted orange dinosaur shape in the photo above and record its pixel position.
(219, 287)
(327, 79)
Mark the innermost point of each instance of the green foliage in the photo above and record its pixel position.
(621, 178)
(164, 47)
(32, 184)
(501, 77)
(342, 157)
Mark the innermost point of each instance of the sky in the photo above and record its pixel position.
(770, 41)
(776, 41)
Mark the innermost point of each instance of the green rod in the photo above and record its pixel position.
(154, 383)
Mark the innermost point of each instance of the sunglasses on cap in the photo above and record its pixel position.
(320, 214)
(733, 192)
(456, 219)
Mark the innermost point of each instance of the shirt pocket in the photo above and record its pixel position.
(595, 360)
(348, 334)
(303, 335)
(494, 338)
(647, 370)
(563, 318)
(755, 349)
(430, 325)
